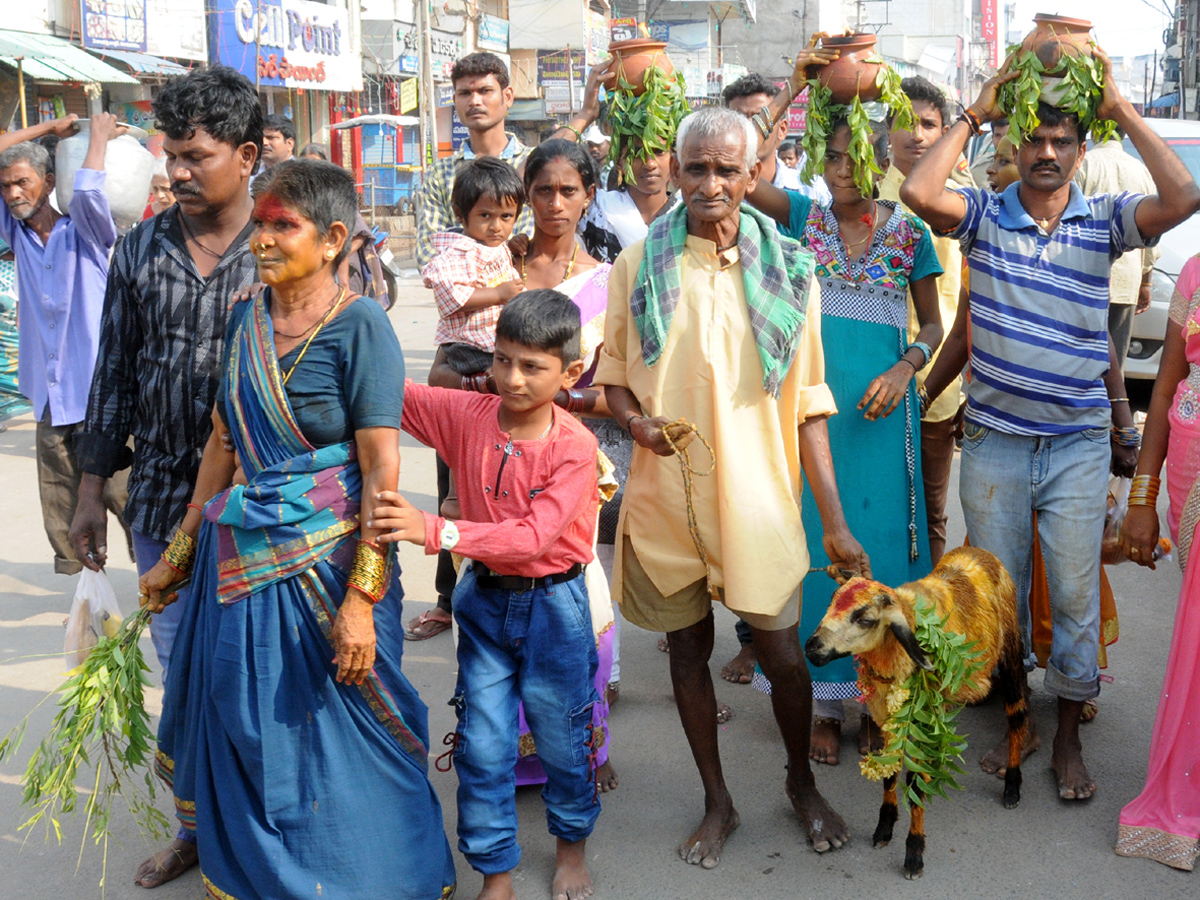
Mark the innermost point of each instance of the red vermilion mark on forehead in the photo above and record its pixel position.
(849, 594)
(269, 208)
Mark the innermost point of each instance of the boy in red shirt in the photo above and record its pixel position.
(526, 474)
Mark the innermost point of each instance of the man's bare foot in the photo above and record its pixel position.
(497, 887)
(995, 761)
(664, 645)
(724, 713)
(740, 669)
(572, 881)
(1074, 780)
(824, 828)
(612, 693)
(166, 865)
(825, 742)
(703, 847)
(870, 737)
(606, 777)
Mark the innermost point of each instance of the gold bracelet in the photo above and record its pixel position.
(181, 552)
(1143, 491)
(369, 573)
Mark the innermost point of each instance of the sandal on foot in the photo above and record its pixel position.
(425, 626)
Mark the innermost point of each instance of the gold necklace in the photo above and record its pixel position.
(870, 230)
(1045, 223)
(312, 337)
(570, 265)
(190, 235)
(296, 337)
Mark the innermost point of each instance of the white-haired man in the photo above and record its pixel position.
(709, 320)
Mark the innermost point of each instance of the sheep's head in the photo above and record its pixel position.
(860, 617)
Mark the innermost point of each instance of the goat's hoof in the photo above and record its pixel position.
(880, 843)
(1013, 800)
(913, 874)
(881, 838)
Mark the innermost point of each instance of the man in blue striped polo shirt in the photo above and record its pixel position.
(1046, 388)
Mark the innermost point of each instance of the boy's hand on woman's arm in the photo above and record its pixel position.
(399, 519)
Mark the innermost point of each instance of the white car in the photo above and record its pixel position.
(1177, 246)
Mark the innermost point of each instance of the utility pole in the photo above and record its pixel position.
(428, 104)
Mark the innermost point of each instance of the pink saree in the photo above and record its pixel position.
(1163, 823)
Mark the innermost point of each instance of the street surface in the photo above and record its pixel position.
(976, 849)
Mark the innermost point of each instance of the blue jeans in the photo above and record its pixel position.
(1004, 479)
(164, 624)
(536, 648)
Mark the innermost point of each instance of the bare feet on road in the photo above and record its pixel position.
(606, 778)
(825, 742)
(166, 865)
(825, 829)
(740, 669)
(497, 887)
(703, 847)
(995, 761)
(572, 881)
(1074, 780)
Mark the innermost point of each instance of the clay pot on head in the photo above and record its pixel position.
(632, 59)
(1052, 39)
(1056, 36)
(850, 75)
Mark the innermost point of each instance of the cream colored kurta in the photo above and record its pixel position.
(949, 283)
(710, 374)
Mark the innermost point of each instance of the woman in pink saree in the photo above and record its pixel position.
(1163, 823)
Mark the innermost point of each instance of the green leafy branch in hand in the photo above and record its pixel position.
(644, 126)
(822, 112)
(102, 720)
(920, 726)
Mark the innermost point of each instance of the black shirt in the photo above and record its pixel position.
(159, 367)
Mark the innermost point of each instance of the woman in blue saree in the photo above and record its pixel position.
(295, 747)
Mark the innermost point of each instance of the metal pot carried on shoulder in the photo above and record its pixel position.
(128, 169)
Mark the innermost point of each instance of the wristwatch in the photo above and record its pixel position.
(449, 536)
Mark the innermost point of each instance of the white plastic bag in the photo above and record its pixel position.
(1111, 549)
(94, 614)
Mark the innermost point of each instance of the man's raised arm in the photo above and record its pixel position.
(1177, 194)
(924, 191)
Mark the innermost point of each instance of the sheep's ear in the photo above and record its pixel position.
(908, 641)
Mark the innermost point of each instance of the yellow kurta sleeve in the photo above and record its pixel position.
(813, 396)
(611, 368)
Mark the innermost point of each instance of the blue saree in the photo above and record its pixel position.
(295, 785)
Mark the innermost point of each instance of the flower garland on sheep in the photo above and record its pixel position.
(920, 724)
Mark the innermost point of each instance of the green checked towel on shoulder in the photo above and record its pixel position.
(777, 272)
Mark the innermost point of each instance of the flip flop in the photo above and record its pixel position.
(424, 626)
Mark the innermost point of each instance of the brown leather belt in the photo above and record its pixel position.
(489, 580)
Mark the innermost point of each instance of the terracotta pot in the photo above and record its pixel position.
(633, 58)
(850, 75)
(1056, 36)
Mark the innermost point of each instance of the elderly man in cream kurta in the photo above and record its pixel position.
(711, 321)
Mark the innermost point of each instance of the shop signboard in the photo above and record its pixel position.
(114, 24)
(798, 113)
(988, 30)
(553, 71)
(625, 29)
(597, 37)
(444, 96)
(408, 95)
(446, 49)
(458, 131)
(285, 43)
(493, 33)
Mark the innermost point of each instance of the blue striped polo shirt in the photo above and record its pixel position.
(1039, 309)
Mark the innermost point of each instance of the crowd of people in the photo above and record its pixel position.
(227, 384)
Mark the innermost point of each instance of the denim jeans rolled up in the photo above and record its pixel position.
(1004, 479)
(535, 648)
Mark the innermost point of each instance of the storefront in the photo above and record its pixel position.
(298, 53)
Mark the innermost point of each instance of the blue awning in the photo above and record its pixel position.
(1165, 100)
(47, 58)
(143, 63)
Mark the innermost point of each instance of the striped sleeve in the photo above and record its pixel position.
(964, 232)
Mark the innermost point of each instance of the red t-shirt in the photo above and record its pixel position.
(528, 507)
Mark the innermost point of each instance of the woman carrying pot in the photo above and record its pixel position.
(869, 255)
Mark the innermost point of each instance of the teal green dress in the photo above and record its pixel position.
(864, 330)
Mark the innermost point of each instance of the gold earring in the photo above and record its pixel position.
(330, 255)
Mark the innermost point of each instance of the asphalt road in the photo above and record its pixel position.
(976, 849)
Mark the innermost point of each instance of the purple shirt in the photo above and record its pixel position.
(60, 287)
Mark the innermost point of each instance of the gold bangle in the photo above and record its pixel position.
(1143, 490)
(181, 552)
(369, 573)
